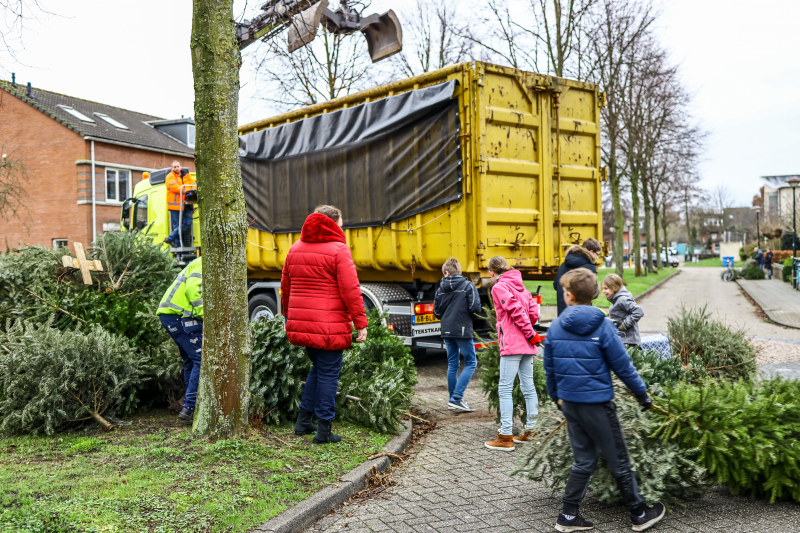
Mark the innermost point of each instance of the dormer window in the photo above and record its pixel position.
(111, 121)
(75, 113)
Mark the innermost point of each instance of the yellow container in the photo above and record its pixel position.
(531, 168)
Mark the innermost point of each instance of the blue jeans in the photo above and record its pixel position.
(188, 335)
(186, 226)
(510, 367)
(319, 396)
(456, 385)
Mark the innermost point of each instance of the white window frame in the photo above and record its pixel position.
(111, 120)
(60, 243)
(75, 113)
(116, 171)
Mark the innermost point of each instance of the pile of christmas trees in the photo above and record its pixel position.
(374, 385)
(71, 351)
(712, 423)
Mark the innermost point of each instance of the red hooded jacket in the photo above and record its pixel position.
(321, 296)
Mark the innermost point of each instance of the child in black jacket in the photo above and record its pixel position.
(455, 302)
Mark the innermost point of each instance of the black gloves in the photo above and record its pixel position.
(645, 401)
(622, 327)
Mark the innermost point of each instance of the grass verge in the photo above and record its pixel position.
(636, 285)
(152, 475)
(712, 262)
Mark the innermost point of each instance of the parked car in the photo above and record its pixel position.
(667, 260)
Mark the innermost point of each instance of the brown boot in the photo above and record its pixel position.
(504, 443)
(528, 436)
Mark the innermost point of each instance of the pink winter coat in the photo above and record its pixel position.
(516, 314)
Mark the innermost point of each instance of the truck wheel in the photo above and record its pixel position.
(262, 306)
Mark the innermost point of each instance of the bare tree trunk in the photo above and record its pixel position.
(656, 238)
(613, 180)
(225, 371)
(647, 241)
(637, 246)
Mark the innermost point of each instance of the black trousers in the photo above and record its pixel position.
(594, 428)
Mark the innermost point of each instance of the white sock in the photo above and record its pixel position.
(569, 516)
(642, 515)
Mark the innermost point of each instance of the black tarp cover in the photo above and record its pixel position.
(378, 162)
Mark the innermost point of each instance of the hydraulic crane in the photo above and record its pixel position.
(303, 17)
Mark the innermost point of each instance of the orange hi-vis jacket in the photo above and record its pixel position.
(174, 183)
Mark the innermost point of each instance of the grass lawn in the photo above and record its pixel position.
(636, 285)
(153, 476)
(713, 262)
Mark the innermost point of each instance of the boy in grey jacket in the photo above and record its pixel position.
(624, 311)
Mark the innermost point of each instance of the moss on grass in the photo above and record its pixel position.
(153, 475)
(636, 285)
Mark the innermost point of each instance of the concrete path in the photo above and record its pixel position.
(777, 299)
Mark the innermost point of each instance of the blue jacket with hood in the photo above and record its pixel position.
(580, 349)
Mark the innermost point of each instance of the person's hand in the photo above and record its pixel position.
(558, 404)
(645, 401)
(362, 335)
(622, 327)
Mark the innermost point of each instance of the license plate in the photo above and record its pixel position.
(425, 319)
(426, 330)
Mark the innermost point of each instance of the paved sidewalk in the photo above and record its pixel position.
(777, 299)
(455, 484)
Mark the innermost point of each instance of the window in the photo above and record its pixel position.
(714, 236)
(140, 213)
(75, 113)
(112, 121)
(110, 226)
(118, 184)
(59, 243)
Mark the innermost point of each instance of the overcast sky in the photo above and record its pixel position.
(738, 58)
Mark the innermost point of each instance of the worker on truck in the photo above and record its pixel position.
(177, 186)
(181, 314)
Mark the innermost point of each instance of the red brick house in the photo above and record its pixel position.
(59, 139)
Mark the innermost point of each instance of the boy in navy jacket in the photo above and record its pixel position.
(581, 348)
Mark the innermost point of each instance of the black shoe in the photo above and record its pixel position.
(171, 244)
(324, 435)
(186, 414)
(578, 523)
(303, 426)
(651, 516)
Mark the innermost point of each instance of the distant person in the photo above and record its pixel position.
(577, 257)
(177, 186)
(455, 302)
(759, 258)
(321, 300)
(768, 263)
(624, 311)
(517, 312)
(580, 350)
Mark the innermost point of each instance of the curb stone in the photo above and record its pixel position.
(657, 285)
(767, 311)
(303, 514)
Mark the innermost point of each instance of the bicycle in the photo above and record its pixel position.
(729, 274)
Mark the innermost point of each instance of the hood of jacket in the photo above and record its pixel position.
(581, 319)
(620, 293)
(512, 280)
(453, 283)
(320, 228)
(579, 257)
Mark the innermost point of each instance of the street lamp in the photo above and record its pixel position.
(794, 182)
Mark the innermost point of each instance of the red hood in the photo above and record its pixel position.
(320, 228)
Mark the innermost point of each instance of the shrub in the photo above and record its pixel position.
(51, 377)
(744, 434)
(657, 370)
(665, 471)
(786, 241)
(750, 270)
(778, 256)
(697, 339)
(787, 270)
(489, 359)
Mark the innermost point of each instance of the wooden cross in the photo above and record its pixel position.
(82, 263)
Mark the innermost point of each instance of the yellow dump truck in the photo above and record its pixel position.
(470, 161)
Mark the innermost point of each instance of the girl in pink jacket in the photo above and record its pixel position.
(517, 312)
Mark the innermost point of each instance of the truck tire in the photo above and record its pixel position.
(262, 306)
